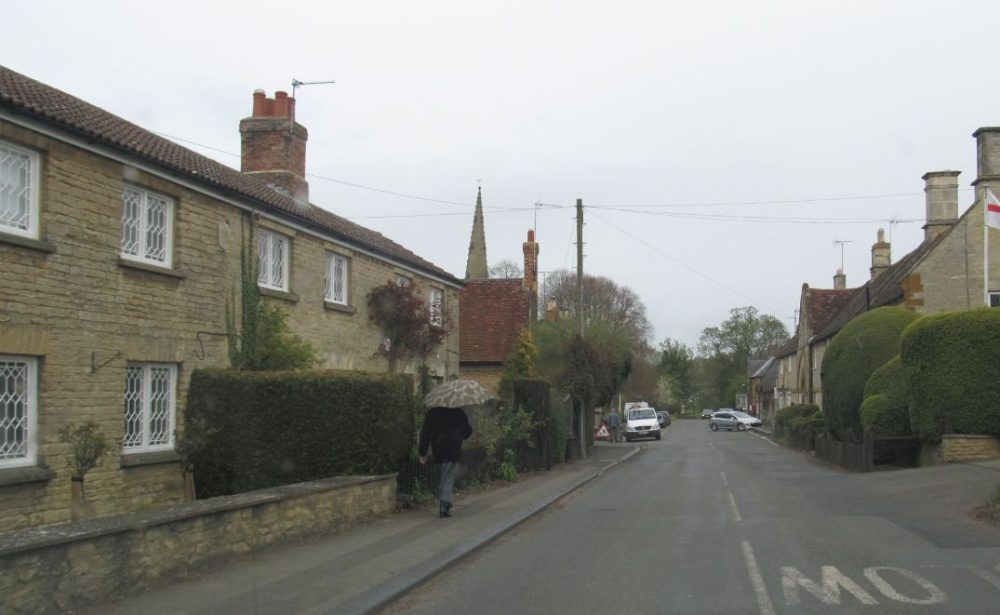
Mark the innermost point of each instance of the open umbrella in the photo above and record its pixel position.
(457, 393)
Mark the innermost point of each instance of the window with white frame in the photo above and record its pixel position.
(147, 226)
(18, 411)
(19, 180)
(272, 260)
(435, 298)
(401, 280)
(150, 407)
(336, 279)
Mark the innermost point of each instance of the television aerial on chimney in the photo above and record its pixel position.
(841, 242)
(296, 84)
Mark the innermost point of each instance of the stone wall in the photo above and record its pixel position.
(969, 448)
(62, 568)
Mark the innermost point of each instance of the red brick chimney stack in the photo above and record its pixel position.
(530, 248)
(274, 145)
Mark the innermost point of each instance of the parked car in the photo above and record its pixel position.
(641, 423)
(726, 419)
(664, 417)
(707, 413)
(749, 419)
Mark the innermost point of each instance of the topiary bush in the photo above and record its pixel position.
(952, 364)
(855, 353)
(884, 411)
(812, 424)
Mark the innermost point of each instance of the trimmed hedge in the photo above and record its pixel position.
(784, 417)
(952, 363)
(272, 428)
(813, 424)
(856, 351)
(885, 411)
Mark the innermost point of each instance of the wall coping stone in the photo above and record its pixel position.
(29, 539)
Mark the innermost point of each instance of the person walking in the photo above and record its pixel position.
(443, 432)
(613, 421)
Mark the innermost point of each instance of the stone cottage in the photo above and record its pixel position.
(121, 251)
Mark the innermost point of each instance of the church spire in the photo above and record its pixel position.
(475, 268)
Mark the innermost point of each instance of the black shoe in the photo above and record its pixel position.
(445, 510)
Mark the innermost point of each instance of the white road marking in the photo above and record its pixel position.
(732, 506)
(759, 589)
(934, 594)
(828, 592)
(768, 440)
(725, 483)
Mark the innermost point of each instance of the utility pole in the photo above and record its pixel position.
(579, 313)
(579, 263)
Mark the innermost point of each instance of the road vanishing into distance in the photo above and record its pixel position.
(731, 523)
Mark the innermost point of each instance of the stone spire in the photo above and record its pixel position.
(475, 268)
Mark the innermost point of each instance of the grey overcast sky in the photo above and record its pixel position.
(721, 148)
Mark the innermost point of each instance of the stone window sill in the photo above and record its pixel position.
(42, 245)
(133, 460)
(340, 307)
(147, 268)
(21, 476)
(278, 294)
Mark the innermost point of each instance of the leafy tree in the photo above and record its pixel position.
(677, 364)
(744, 335)
(520, 364)
(506, 270)
(406, 321)
(726, 351)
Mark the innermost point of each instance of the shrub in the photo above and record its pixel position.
(784, 417)
(884, 411)
(812, 424)
(952, 364)
(855, 353)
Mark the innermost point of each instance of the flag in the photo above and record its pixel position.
(992, 210)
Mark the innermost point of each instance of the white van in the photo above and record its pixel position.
(641, 422)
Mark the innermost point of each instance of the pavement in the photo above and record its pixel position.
(366, 568)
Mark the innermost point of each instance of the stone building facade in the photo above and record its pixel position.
(121, 252)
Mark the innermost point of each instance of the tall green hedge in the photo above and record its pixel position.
(952, 362)
(856, 351)
(272, 428)
(884, 411)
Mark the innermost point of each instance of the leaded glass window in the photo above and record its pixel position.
(150, 410)
(19, 171)
(18, 410)
(336, 279)
(147, 226)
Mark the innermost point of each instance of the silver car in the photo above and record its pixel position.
(727, 419)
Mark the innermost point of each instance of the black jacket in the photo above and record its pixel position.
(443, 431)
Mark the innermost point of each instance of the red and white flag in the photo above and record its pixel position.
(992, 210)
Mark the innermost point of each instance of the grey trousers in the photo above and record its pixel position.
(449, 472)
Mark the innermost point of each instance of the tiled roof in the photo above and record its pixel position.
(492, 316)
(824, 304)
(883, 290)
(37, 101)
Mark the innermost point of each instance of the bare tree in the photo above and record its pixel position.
(506, 269)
